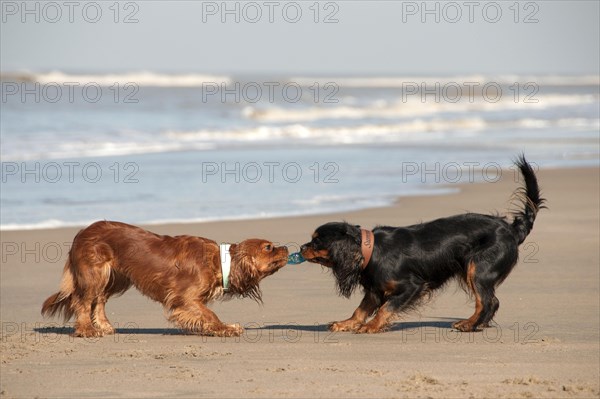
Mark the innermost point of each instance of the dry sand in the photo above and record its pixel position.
(546, 343)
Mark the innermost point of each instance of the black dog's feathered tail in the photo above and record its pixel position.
(529, 197)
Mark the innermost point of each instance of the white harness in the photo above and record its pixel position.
(225, 264)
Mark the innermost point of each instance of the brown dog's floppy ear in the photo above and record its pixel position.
(244, 277)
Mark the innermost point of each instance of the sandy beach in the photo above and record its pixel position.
(545, 342)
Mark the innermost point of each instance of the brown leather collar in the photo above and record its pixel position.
(366, 246)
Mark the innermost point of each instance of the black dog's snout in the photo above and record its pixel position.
(303, 248)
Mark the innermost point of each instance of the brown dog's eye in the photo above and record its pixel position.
(268, 247)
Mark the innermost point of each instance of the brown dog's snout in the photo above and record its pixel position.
(281, 252)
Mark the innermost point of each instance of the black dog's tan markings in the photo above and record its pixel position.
(409, 263)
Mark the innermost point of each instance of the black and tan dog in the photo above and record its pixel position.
(397, 266)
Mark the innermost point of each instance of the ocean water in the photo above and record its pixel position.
(150, 148)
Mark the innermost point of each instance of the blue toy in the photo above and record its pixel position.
(295, 258)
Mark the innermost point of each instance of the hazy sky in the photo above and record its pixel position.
(362, 37)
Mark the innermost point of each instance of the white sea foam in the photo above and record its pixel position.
(56, 224)
(142, 78)
(416, 131)
(412, 131)
(148, 78)
(45, 224)
(319, 204)
(98, 148)
(401, 81)
(415, 107)
(399, 132)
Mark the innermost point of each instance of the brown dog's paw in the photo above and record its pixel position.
(87, 332)
(105, 328)
(236, 329)
(226, 330)
(346, 325)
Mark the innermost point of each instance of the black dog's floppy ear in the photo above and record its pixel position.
(347, 258)
(354, 232)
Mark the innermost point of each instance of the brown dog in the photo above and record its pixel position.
(183, 273)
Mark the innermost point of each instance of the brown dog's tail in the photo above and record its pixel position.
(61, 301)
(529, 198)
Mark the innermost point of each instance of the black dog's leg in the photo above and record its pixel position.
(481, 283)
(490, 308)
(394, 304)
(366, 308)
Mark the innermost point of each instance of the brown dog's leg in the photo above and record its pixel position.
(117, 284)
(198, 319)
(84, 327)
(366, 308)
(90, 285)
(99, 316)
